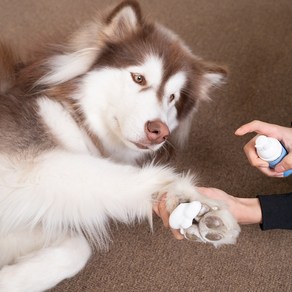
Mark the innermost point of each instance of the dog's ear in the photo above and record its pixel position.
(209, 76)
(212, 76)
(85, 45)
(124, 20)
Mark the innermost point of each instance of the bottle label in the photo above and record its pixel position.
(273, 163)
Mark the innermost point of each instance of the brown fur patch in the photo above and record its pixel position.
(21, 129)
(9, 64)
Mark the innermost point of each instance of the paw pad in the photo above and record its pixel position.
(213, 225)
(214, 236)
(213, 222)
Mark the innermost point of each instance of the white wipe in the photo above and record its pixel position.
(183, 215)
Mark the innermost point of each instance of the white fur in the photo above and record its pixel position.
(210, 80)
(62, 125)
(173, 86)
(64, 67)
(83, 181)
(214, 78)
(128, 16)
(60, 261)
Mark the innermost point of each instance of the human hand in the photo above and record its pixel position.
(160, 209)
(282, 134)
(244, 210)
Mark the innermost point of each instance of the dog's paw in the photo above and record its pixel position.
(214, 224)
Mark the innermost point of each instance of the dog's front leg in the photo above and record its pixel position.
(61, 191)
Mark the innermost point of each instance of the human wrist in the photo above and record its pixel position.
(249, 211)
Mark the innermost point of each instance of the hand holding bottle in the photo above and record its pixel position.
(282, 134)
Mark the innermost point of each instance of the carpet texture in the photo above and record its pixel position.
(254, 39)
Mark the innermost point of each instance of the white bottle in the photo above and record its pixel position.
(272, 151)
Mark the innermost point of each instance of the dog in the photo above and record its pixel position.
(78, 124)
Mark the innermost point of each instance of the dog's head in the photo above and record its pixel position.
(137, 77)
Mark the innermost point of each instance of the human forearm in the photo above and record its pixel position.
(247, 210)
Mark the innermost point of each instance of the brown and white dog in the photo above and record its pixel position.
(73, 125)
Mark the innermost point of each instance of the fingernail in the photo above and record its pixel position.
(279, 175)
(279, 168)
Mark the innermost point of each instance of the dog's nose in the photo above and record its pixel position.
(156, 131)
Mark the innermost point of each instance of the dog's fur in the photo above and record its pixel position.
(75, 123)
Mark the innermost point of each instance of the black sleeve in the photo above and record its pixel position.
(276, 211)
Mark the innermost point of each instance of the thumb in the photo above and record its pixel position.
(285, 164)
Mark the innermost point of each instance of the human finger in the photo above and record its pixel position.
(271, 172)
(260, 128)
(176, 233)
(252, 156)
(164, 215)
(285, 164)
(156, 207)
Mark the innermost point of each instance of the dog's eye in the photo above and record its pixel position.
(138, 78)
(171, 98)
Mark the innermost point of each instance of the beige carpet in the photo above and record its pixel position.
(254, 38)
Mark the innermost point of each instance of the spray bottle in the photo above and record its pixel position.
(272, 151)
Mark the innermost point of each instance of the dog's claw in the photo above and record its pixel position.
(205, 209)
